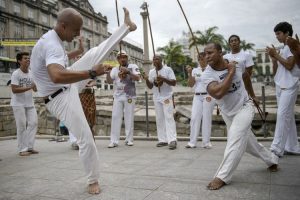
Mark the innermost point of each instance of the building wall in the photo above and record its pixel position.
(30, 19)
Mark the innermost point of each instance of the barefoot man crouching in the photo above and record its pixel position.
(60, 86)
(224, 82)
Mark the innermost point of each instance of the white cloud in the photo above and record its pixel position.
(252, 20)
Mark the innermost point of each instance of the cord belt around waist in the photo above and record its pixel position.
(201, 93)
(50, 97)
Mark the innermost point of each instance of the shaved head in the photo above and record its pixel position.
(69, 23)
(68, 15)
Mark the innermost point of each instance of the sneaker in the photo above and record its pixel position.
(128, 143)
(32, 151)
(188, 146)
(161, 144)
(74, 146)
(172, 145)
(24, 153)
(207, 146)
(112, 145)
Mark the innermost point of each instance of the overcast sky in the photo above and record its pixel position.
(252, 20)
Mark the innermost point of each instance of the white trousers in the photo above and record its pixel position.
(240, 139)
(98, 54)
(122, 107)
(72, 138)
(165, 123)
(26, 122)
(67, 106)
(285, 136)
(201, 111)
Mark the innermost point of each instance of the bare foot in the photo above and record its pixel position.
(94, 188)
(215, 184)
(127, 20)
(24, 153)
(273, 168)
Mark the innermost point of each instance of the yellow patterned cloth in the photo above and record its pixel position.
(88, 103)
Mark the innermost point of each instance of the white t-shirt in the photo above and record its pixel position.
(22, 79)
(284, 78)
(48, 50)
(199, 85)
(243, 59)
(125, 87)
(231, 103)
(165, 89)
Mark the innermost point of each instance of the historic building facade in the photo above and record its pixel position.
(23, 22)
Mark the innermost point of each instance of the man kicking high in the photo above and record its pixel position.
(59, 87)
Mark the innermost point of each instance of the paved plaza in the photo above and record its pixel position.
(141, 172)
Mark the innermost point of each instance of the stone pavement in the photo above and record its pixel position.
(141, 172)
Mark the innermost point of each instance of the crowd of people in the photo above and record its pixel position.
(219, 79)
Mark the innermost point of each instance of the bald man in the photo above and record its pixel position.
(59, 87)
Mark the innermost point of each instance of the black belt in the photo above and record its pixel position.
(201, 93)
(50, 97)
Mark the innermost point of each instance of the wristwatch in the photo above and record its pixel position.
(93, 74)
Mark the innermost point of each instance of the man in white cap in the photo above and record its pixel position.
(123, 78)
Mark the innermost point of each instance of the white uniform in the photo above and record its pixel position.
(238, 112)
(124, 104)
(66, 106)
(165, 123)
(285, 136)
(243, 59)
(24, 111)
(203, 105)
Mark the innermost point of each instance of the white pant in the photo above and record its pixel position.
(122, 107)
(240, 139)
(67, 106)
(285, 136)
(201, 110)
(26, 122)
(72, 138)
(97, 54)
(165, 123)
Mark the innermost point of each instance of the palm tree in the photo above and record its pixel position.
(172, 53)
(246, 46)
(209, 35)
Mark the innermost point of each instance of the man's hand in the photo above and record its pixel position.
(123, 73)
(272, 51)
(293, 44)
(160, 80)
(33, 87)
(81, 46)
(189, 69)
(231, 67)
(101, 69)
(255, 100)
(144, 76)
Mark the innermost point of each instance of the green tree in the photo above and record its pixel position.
(246, 46)
(173, 56)
(207, 36)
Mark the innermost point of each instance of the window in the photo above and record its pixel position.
(31, 32)
(17, 8)
(44, 19)
(259, 58)
(267, 58)
(18, 29)
(30, 13)
(268, 72)
(2, 3)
